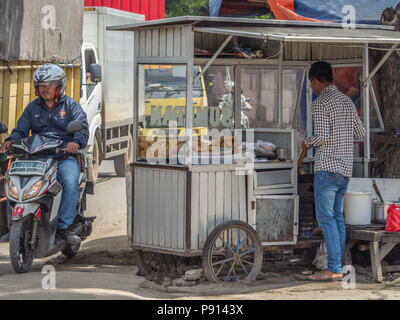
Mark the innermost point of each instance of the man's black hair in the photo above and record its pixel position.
(322, 71)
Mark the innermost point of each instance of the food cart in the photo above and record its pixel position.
(195, 78)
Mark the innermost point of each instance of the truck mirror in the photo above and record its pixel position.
(95, 72)
(3, 128)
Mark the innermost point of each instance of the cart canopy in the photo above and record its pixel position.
(297, 31)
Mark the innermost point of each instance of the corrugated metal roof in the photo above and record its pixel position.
(152, 9)
(205, 21)
(278, 29)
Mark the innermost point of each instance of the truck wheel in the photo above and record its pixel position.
(122, 161)
(94, 161)
(232, 253)
(21, 251)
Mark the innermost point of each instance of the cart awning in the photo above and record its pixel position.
(282, 30)
(310, 34)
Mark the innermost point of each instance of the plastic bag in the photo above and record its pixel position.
(393, 218)
(321, 257)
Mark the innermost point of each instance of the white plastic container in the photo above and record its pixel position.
(357, 208)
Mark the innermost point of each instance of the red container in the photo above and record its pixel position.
(152, 9)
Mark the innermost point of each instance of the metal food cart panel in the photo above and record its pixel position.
(216, 196)
(277, 219)
(268, 178)
(281, 138)
(163, 42)
(159, 208)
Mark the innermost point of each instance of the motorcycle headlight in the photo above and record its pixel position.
(12, 189)
(32, 191)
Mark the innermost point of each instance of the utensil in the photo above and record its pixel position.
(381, 210)
(377, 190)
(303, 154)
(281, 154)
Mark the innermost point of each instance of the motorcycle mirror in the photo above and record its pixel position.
(3, 128)
(74, 126)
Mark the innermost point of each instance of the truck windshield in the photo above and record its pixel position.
(163, 82)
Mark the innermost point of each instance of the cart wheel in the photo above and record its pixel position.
(156, 263)
(232, 253)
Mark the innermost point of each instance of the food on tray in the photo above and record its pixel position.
(267, 146)
(200, 145)
(163, 149)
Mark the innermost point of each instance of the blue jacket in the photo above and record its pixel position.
(36, 117)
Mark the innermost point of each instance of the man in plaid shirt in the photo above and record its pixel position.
(336, 124)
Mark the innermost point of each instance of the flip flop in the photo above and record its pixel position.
(323, 277)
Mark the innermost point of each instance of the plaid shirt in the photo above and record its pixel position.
(336, 124)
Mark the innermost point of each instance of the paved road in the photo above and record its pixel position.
(82, 281)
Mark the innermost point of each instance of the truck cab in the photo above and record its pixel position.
(90, 100)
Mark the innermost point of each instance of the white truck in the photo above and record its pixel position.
(107, 95)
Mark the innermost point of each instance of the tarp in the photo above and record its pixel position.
(235, 8)
(40, 30)
(366, 11)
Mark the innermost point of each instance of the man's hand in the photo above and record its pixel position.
(304, 145)
(72, 147)
(5, 146)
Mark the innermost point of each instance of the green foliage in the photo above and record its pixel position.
(176, 8)
(266, 16)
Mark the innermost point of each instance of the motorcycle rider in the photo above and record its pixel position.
(49, 115)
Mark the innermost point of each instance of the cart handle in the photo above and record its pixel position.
(303, 154)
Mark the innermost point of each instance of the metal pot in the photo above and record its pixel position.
(380, 210)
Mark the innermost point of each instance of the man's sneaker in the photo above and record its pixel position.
(70, 237)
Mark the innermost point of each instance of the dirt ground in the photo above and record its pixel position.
(105, 267)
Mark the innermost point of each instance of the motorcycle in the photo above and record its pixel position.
(34, 197)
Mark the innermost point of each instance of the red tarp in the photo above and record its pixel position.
(284, 10)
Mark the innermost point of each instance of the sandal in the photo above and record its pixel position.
(323, 276)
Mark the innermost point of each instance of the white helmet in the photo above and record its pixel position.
(50, 72)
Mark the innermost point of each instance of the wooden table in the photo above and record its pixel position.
(381, 242)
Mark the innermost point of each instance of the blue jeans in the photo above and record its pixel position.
(329, 190)
(68, 176)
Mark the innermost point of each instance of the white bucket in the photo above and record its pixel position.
(357, 208)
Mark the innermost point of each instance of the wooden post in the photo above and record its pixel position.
(32, 91)
(349, 244)
(21, 91)
(1, 88)
(10, 84)
(28, 79)
(375, 261)
(77, 83)
(69, 75)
